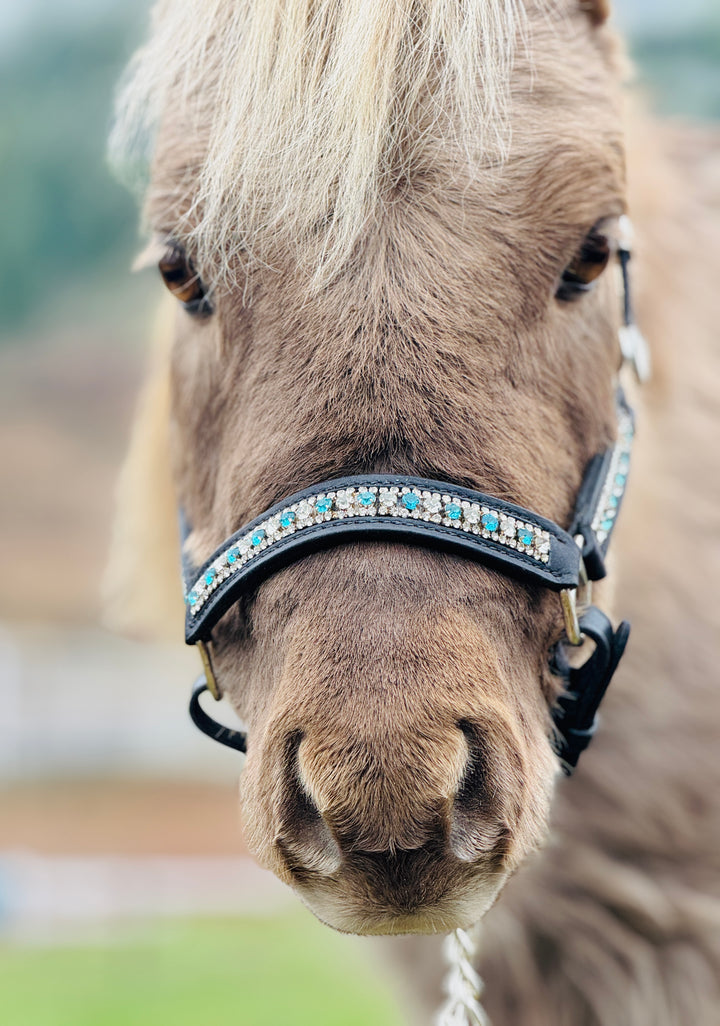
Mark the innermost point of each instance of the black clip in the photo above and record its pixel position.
(575, 714)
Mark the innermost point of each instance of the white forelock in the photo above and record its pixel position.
(305, 113)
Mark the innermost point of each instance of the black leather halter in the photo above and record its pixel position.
(446, 518)
(443, 517)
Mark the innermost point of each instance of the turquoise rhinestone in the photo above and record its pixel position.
(613, 501)
(453, 510)
(233, 555)
(191, 598)
(525, 537)
(288, 518)
(490, 522)
(210, 575)
(258, 536)
(366, 498)
(411, 501)
(324, 504)
(620, 479)
(606, 525)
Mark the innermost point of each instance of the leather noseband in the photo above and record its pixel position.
(445, 518)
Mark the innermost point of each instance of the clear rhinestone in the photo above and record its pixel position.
(344, 499)
(304, 510)
(272, 526)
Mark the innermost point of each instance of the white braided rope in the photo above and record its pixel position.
(463, 985)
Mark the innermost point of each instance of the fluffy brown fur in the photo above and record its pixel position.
(400, 767)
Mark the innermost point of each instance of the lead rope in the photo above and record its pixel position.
(463, 986)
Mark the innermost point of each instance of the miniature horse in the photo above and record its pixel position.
(387, 226)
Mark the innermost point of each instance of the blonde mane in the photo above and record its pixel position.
(299, 117)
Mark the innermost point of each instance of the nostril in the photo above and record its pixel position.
(475, 823)
(473, 792)
(303, 836)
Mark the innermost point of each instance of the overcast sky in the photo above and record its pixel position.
(19, 17)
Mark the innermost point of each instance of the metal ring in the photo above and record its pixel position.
(568, 597)
(210, 678)
(217, 731)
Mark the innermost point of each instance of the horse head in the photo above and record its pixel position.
(387, 226)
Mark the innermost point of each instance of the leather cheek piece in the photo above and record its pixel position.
(217, 731)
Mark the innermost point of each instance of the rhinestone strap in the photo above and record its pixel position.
(614, 487)
(395, 502)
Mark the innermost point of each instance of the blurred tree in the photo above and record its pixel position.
(64, 214)
(67, 221)
(682, 67)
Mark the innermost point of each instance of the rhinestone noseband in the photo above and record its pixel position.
(381, 507)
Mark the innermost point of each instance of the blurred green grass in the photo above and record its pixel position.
(249, 972)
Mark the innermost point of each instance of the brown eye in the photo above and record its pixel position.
(589, 263)
(181, 278)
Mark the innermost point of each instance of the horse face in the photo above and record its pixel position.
(400, 763)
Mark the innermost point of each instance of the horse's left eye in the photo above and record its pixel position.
(588, 264)
(181, 278)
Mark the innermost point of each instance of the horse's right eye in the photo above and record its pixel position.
(179, 274)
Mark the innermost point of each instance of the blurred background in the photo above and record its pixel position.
(126, 896)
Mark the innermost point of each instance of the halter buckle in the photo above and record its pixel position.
(575, 714)
(635, 351)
